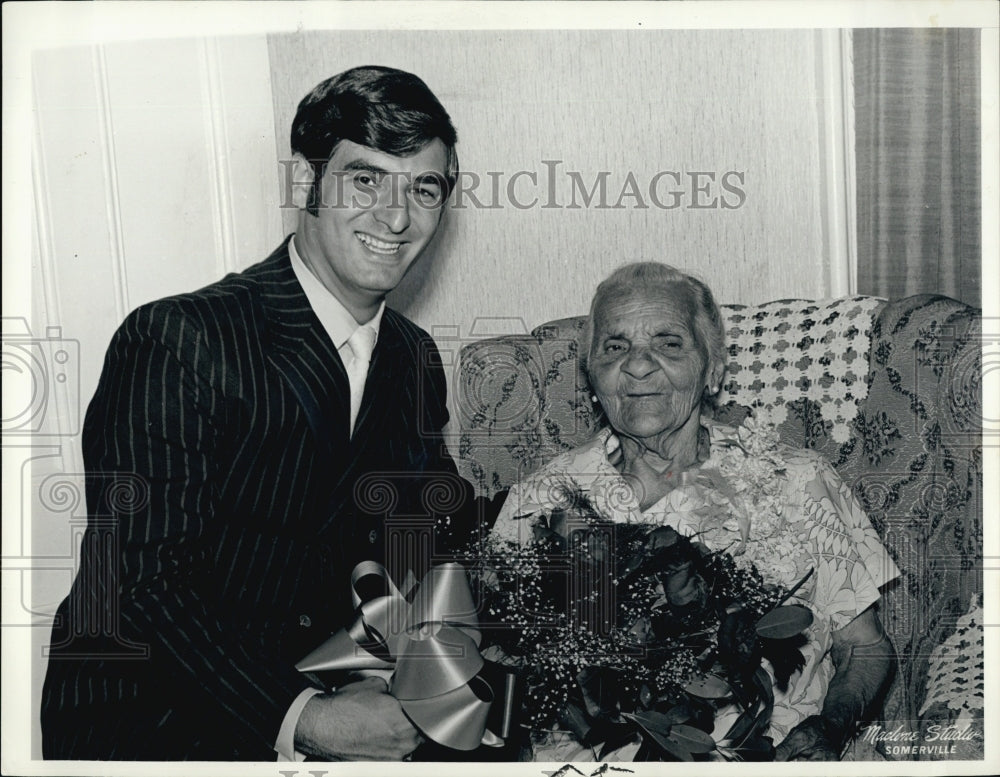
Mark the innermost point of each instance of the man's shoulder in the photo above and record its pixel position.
(227, 309)
(404, 332)
(234, 294)
(414, 353)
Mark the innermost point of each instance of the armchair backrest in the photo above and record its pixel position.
(524, 398)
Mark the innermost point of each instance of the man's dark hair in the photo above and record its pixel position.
(383, 108)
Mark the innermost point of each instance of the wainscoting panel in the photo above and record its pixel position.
(153, 173)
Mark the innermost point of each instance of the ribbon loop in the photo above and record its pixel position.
(428, 634)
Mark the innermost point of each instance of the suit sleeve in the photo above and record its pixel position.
(158, 417)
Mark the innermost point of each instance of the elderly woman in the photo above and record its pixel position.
(655, 358)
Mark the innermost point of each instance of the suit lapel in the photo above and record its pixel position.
(373, 431)
(303, 353)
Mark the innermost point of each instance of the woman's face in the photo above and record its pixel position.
(645, 365)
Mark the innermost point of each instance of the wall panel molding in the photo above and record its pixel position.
(44, 246)
(57, 420)
(242, 96)
(835, 77)
(153, 172)
(215, 113)
(112, 197)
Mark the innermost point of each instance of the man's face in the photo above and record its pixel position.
(377, 214)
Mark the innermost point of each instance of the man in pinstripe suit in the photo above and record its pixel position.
(261, 460)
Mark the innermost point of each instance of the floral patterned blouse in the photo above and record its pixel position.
(783, 509)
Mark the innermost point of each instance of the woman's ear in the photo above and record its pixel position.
(600, 418)
(301, 181)
(714, 382)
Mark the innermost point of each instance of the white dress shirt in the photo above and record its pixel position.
(339, 324)
(337, 320)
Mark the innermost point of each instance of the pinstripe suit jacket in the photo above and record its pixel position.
(227, 506)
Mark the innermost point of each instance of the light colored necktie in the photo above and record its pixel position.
(362, 344)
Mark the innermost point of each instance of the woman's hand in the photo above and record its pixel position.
(808, 741)
(864, 660)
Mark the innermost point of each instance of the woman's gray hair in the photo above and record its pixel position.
(645, 277)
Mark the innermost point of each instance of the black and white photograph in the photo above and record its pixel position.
(536, 388)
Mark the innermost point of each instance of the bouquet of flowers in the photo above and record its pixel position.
(631, 633)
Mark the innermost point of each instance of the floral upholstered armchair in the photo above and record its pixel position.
(889, 392)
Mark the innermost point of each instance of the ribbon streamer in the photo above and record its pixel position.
(428, 635)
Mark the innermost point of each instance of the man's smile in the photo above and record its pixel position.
(373, 244)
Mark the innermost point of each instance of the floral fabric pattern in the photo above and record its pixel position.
(783, 510)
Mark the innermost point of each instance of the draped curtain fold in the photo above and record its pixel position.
(917, 127)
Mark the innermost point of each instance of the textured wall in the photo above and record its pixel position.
(621, 102)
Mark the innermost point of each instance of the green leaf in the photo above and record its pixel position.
(709, 687)
(675, 748)
(728, 753)
(797, 586)
(557, 523)
(783, 622)
(743, 725)
(692, 739)
(599, 687)
(757, 748)
(662, 537)
(573, 718)
(616, 741)
(651, 723)
(645, 751)
(632, 563)
(763, 682)
(651, 720)
(741, 695)
(679, 713)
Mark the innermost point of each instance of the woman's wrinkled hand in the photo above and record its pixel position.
(811, 740)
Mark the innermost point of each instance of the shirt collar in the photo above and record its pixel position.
(335, 318)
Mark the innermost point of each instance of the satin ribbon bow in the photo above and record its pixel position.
(428, 635)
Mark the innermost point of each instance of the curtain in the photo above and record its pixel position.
(917, 121)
